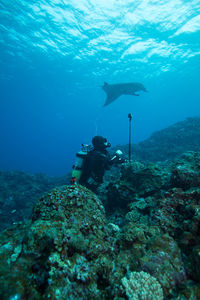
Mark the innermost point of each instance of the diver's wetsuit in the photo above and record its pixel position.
(95, 165)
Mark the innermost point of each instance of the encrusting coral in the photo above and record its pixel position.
(143, 286)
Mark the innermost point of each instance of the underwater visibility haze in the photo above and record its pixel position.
(55, 57)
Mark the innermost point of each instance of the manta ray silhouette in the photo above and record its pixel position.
(114, 91)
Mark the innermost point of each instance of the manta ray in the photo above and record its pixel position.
(114, 91)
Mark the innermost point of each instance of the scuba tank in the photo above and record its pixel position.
(78, 166)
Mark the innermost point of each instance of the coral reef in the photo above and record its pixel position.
(147, 245)
(65, 252)
(137, 238)
(19, 192)
(169, 143)
(158, 209)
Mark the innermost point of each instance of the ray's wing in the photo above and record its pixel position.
(113, 91)
(110, 98)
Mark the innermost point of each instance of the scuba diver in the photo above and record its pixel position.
(94, 164)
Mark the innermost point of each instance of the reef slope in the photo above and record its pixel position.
(146, 242)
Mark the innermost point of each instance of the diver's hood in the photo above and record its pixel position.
(100, 143)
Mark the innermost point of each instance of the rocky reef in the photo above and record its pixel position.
(137, 238)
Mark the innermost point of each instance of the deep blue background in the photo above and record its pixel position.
(51, 99)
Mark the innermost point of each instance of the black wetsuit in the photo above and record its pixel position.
(94, 167)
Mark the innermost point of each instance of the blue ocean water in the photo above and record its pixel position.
(56, 55)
